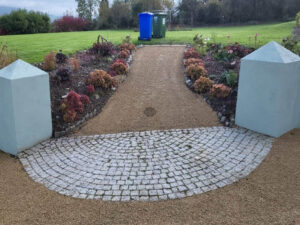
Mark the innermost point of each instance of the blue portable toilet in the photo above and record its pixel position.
(146, 20)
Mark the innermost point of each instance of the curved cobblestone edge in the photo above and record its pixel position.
(146, 166)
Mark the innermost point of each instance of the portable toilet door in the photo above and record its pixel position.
(145, 22)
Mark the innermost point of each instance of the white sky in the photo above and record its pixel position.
(53, 7)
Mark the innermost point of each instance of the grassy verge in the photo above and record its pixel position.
(33, 47)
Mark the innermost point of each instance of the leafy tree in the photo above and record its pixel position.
(188, 10)
(213, 12)
(81, 8)
(104, 15)
(122, 14)
(86, 9)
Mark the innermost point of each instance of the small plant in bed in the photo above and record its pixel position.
(195, 71)
(228, 53)
(191, 61)
(200, 42)
(203, 85)
(191, 53)
(75, 64)
(119, 67)
(103, 48)
(220, 91)
(60, 57)
(90, 89)
(229, 78)
(99, 78)
(49, 62)
(6, 56)
(72, 105)
(124, 54)
(64, 74)
(127, 46)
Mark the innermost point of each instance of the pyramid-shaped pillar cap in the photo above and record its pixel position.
(20, 69)
(273, 53)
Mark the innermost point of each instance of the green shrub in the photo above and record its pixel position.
(6, 56)
(24, 22)
(229, 78)
(290, 43)
(298, 19)
(200, 42)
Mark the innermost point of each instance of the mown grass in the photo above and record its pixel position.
(32, 48)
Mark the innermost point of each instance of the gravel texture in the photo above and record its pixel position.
(155, 81)
(269, 195)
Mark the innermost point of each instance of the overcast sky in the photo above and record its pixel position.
(54, 7)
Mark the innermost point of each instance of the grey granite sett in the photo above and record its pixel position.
(146, 166)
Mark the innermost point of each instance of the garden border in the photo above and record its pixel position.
(188, 82)
(80, 123)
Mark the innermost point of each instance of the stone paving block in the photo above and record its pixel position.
(216, 157)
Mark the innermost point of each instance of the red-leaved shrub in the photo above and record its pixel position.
(191, 61)
(104, 49)
(99, 78)
(191, 53)
(195, 71)
(49, 62)
(124, 54)
(70, 23)
(75, 64)
(220, 91)
(90, 89)
(127, 46)
(120, 61)
(70, 116)
(112, 73)
(85, 99)
(119, 67)
(73, 104)
(203, 85)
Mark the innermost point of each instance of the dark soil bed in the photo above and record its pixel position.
(78, 82)
(225, 107)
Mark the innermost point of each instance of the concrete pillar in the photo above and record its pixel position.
(269, 91)
(25, 107)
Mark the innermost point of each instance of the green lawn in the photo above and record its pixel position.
(33, 47)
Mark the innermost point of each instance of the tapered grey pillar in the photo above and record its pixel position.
(269, 91)
(25, 112)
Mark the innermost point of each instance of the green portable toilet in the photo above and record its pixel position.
(159, 25)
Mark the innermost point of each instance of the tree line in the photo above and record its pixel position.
(24, 22)
(197, 12)
(99, 14)
(123, 13)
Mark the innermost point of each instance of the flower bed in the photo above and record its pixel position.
(82, 84)
(214, 75)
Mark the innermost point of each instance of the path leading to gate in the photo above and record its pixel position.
(153, 97)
